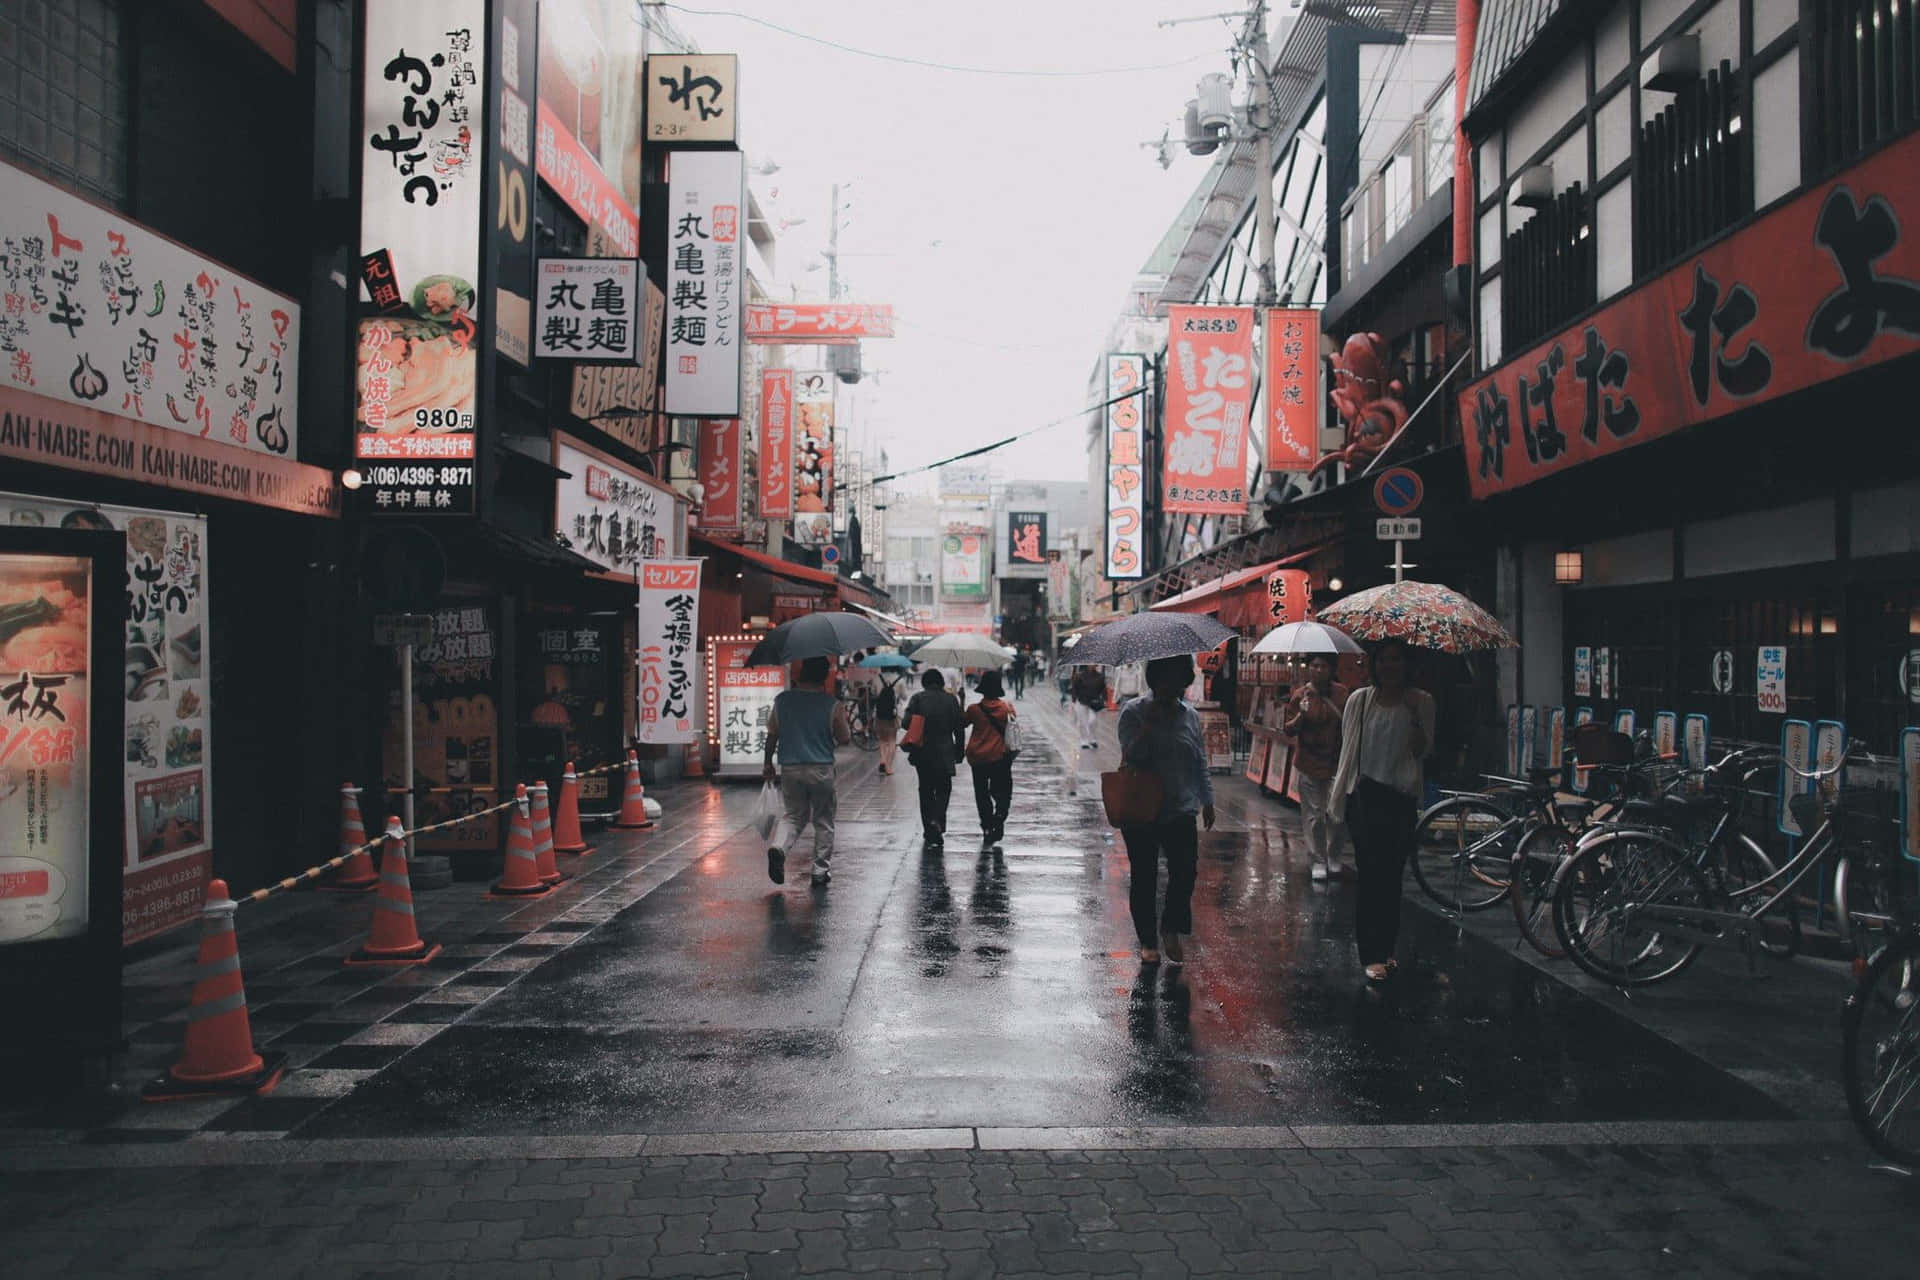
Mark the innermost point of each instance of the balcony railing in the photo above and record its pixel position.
(1547, 271)
(1866, 77)
(1691, 179)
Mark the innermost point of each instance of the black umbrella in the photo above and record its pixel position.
(1143, 637)
(816, 636)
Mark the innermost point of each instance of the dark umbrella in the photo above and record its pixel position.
(1143, 637)
(816, 635)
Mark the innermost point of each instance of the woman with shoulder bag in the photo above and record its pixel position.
(989, 752)
(1386, 731)
(1161, 733)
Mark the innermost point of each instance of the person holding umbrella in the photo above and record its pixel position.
(1160, 732)
(942, 741)
(886, 703)
(988, 756)
(807, 723)
(1312, 720)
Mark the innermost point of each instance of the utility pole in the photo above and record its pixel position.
(833, 249)
(1260, 118)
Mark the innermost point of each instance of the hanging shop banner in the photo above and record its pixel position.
(812, 448)
(720, 475)
(1293, 389)
(739, 703)
(587, 309)
(692, 97)
(1693, 742)
(1771, 677)
(612, 514)
(1716, 333)
(669, 626)
(420, 220)
(1027, 538)
(169, 738)
(1910, 792)
(963, 563)
(1557, 738)
(1583, 671)
(1603, 667)
(102, 313)
(456, 729)
(590, 63)
(1829, 748)
(1796, 754)
(1126, 501)
(1059, 588)
(816, 322)
(511, 54)
(1209, 409)
(569, 169)
(706, 197)
(1288, 597)
(621, 399)
(776, 443)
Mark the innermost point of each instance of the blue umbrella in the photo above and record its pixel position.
(887, 661)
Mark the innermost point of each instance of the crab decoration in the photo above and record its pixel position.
(1367, 398)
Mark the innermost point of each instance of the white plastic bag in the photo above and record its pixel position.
(1014, 736)
(766, 812)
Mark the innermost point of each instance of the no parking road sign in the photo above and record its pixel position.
(1398, 492)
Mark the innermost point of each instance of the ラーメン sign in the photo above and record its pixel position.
(706, 224)
(720, 474)
(1209, 405)
(776, 444)
(1126, 498)
(669, 629)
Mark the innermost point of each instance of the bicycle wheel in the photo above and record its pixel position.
(1880, 1037)
(1599, 902)
(1536, 858)
(866, 739)
(1748, 870)
(1462, 849)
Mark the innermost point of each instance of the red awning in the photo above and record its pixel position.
(772, 564)
(1208, 596)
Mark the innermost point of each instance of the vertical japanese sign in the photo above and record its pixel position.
(1603, 666)
(1556, 737)
(669, 628)
(1796, 753)
(691, 98)
(1582, 671)
(1209, 404)
(620, 399)
(706, 202)
(612, 515)
(812, 448)
(420, 221)
(587, 309)
(1126, 511)
(511, 54)
(1666, 734)
(1293, 389)
(1910, 793)
(1693, 741)
(1529, 738)
(1027, 537)
(1059, 587)
(720, 474)
(1771, 674)
(743, 703)
(776, 444)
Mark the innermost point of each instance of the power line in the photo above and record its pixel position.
(1001, 444)
(1034, 72)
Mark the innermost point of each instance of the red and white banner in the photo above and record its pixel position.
(720, 473)
(669, 624)
(1126, 501)
(1293, 389)
(776, 443)
(576, 178)
(1209, 403)
(818, 322)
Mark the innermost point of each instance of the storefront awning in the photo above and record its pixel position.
(900, 626)
(772, 564)
(1238, 598)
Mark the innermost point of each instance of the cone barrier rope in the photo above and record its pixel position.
(566, 817)
(543, 838)
(356, 874)
(395, 937)
(633, 801)
(522, 873)
(218, 1057)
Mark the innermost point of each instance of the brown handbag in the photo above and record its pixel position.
(916, 729)
(1131, 795)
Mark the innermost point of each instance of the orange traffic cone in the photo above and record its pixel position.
(633, 801)
(219, 1056)
(543, 837)
(566, 817)
(522, 878)
(356, 874)
(696, 766)
(395, 937)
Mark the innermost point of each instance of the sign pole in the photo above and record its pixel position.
(406, 737)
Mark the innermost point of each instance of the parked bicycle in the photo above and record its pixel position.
(1880, 1023)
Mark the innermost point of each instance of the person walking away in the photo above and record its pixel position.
(1386, 732)
(991, 761)
(942, 742)
(1020, 662)
(886, 722)
(1063, 676)
(1160, 732)
(806, 724)
(1089, 699)
(1312, 720)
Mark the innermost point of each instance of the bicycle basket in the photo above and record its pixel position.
(1597, 744)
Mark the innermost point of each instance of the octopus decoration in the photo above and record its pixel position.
(1368, 399)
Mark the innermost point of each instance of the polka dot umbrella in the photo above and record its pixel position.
(1424, 614)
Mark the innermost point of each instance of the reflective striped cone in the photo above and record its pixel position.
(543, 837)
(566, 816)
(356, 874)
(218, 1056)
(633, 801)
(522, 876)
(395, 937)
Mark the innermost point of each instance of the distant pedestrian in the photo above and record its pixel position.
(1063, 677)
(991, 761)
(1161, 732)
(1020, 664)
(886, 722)
(942, 742)
(806, 724)
(1386, 732)
(1312, 720)
(1089, 700)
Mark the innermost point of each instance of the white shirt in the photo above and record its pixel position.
(1377, 743)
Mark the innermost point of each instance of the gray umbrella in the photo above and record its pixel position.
(1146, 636)
(816, 635)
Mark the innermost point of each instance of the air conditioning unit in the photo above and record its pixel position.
(1534, 190)
(1673, 66)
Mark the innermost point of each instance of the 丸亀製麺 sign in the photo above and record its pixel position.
(776, 443)
(611, 514)
(587, 309)
(1126, 498)
(720, 474)
(619, 399)
(740, 701)
(669, 627)
(691, 97)
(818, 322)
(1293, 389)
(1716, 333)
(706, 224)
(1208, 408)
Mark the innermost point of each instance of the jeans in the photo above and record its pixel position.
(1179, 838)
(936, 789)
(807, 795)
(1380, 820)
(1323, 830)
(993, 794)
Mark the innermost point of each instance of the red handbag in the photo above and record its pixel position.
(916, 730)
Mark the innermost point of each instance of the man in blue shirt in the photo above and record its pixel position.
(1161, 734)
(806, 724)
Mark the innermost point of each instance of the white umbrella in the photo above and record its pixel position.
(962, 649)
(1307, 637)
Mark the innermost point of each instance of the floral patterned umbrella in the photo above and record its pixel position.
(1424, 614)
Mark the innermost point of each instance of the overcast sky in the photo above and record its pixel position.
(1003, 216)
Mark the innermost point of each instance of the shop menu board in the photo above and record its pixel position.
(45, 755)
(456, 728)
(743, 701)
(169, 742)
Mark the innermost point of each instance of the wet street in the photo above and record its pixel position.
(650, 1040)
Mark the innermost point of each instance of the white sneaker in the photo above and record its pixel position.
(1319, 872)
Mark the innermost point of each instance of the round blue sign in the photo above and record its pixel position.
(829, 554)
(1398, 492)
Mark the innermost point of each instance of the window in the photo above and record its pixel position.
(1548, 271)
(63, 93)
(1440, 140)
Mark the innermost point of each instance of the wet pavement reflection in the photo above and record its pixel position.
(970, 987)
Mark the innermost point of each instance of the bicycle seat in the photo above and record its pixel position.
(1575, 810)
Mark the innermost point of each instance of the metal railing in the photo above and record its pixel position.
(1865, 57)
(1691, 176)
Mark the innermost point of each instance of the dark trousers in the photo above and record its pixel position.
(1380, 822)
(1179, 840)
(993, 793)
(936, 789)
